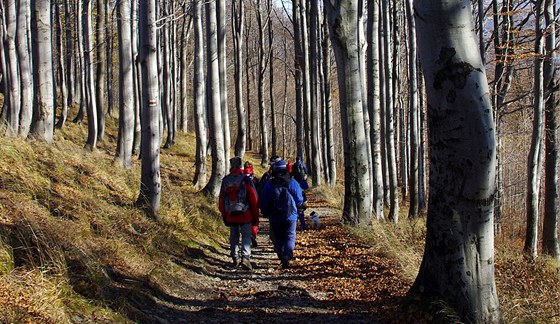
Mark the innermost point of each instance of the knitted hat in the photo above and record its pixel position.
(279, 165)
(235, 162)
(274, 159)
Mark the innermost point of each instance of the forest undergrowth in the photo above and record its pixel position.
(69, 228)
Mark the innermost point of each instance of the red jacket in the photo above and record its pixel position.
(252, 214)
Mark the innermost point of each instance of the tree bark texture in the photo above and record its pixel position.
(198, 98)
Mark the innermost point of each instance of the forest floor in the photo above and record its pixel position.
(333, 278)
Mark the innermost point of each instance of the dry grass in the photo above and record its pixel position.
(66, 215)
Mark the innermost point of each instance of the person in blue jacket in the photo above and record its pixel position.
(279, 202)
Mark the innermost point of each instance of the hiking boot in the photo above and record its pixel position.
(254, 242)
(285, 263)
(235, 263)
(246, 264)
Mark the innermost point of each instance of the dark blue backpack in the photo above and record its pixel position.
(283, 204)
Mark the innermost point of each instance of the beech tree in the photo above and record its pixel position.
(458, 262)
(43, 74)
(198, 98)
(23, 36)
(89, 85)
(11, 72)
(238, 21)
(150, 182)
(343, 20)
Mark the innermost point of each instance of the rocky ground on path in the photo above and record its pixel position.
(333, 278)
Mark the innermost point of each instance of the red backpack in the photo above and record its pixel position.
(234, 194)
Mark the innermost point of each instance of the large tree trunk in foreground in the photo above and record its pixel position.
(26, 77)
(343, 20)
(458, 262)
(150, 183)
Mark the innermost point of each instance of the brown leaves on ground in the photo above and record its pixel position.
(354, 278)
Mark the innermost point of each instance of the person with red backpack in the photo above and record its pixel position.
(238, 205)
(279, 202)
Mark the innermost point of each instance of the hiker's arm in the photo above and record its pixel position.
(297, 193)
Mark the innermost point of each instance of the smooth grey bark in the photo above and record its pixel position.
(101, 68)
(69, 53)
(270, 59)
(389, 117)
(214, 103)
(198, 98)
(25, 67)
(81, 66)
(222, 66)
(109, 31)
(458, 262)
(343, 20)
(89, 64)
(248, 83)
(168, 79)
(327, 102)
(126, 85)
(137, 71)
(534, 165)
(551, 83)
(184, 75)
(61, 69)
(299, 62)
(238, 21)
(12, 68)
(414, 113)
(43, 74)
(315, 157)
(150, 183)
(374, 106)
(306, 82)
(260, 88)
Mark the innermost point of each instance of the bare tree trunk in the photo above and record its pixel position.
(551, 83)
(137, 75)
(248, 83)
(89, 63)
(329, 122)
(261, 73)
(61, 70)
(81, 68)
(458, 262)
(126, 85)
(238, 19)
(198, 97)
(271, 71)
(43, 75)
(534, 165)
(214, 103)
(222, 51)
(313, 70)
(101, 69)
(25, 68)
(12, 72)
(150, 183)
(69, 53)
(413, 108)
(343, 20)
(109, 31)
(184, 104)
(299, 88)
(374, 106)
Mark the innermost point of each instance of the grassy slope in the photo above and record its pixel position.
(67, 218)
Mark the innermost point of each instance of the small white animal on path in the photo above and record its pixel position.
(315, 220)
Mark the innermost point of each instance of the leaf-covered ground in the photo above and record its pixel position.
(334, 278)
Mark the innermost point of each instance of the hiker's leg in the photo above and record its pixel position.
(301, 217)
(290, 244)
(234, 231)
(246, 240)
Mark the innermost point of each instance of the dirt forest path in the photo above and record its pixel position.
(333, 278)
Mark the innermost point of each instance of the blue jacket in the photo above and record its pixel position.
(267, 196)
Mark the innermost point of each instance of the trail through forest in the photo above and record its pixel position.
(333, 278)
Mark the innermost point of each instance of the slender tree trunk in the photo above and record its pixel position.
(534, 166)
(43, 74)
(238, 19)
(89, 63)
(413, 108)
(329, 124)
(184, 105)
(306, 82)
(271, 71)
(222, 51)
(137, 75)
(109, 31)
(61, 69)
(198, 98)
(374, 106)
(101, 69)
(126, 84)
(81, 68)
(552, 78)
(458, 262)
(299, 88)
(12, 73)
(150, 183)
(214, 103)
(69, 53)
(343, 20)
(314, 86)
(260, 93)
(248, 83)
(25, 68)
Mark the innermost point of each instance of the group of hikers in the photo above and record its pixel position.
(278, 194)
